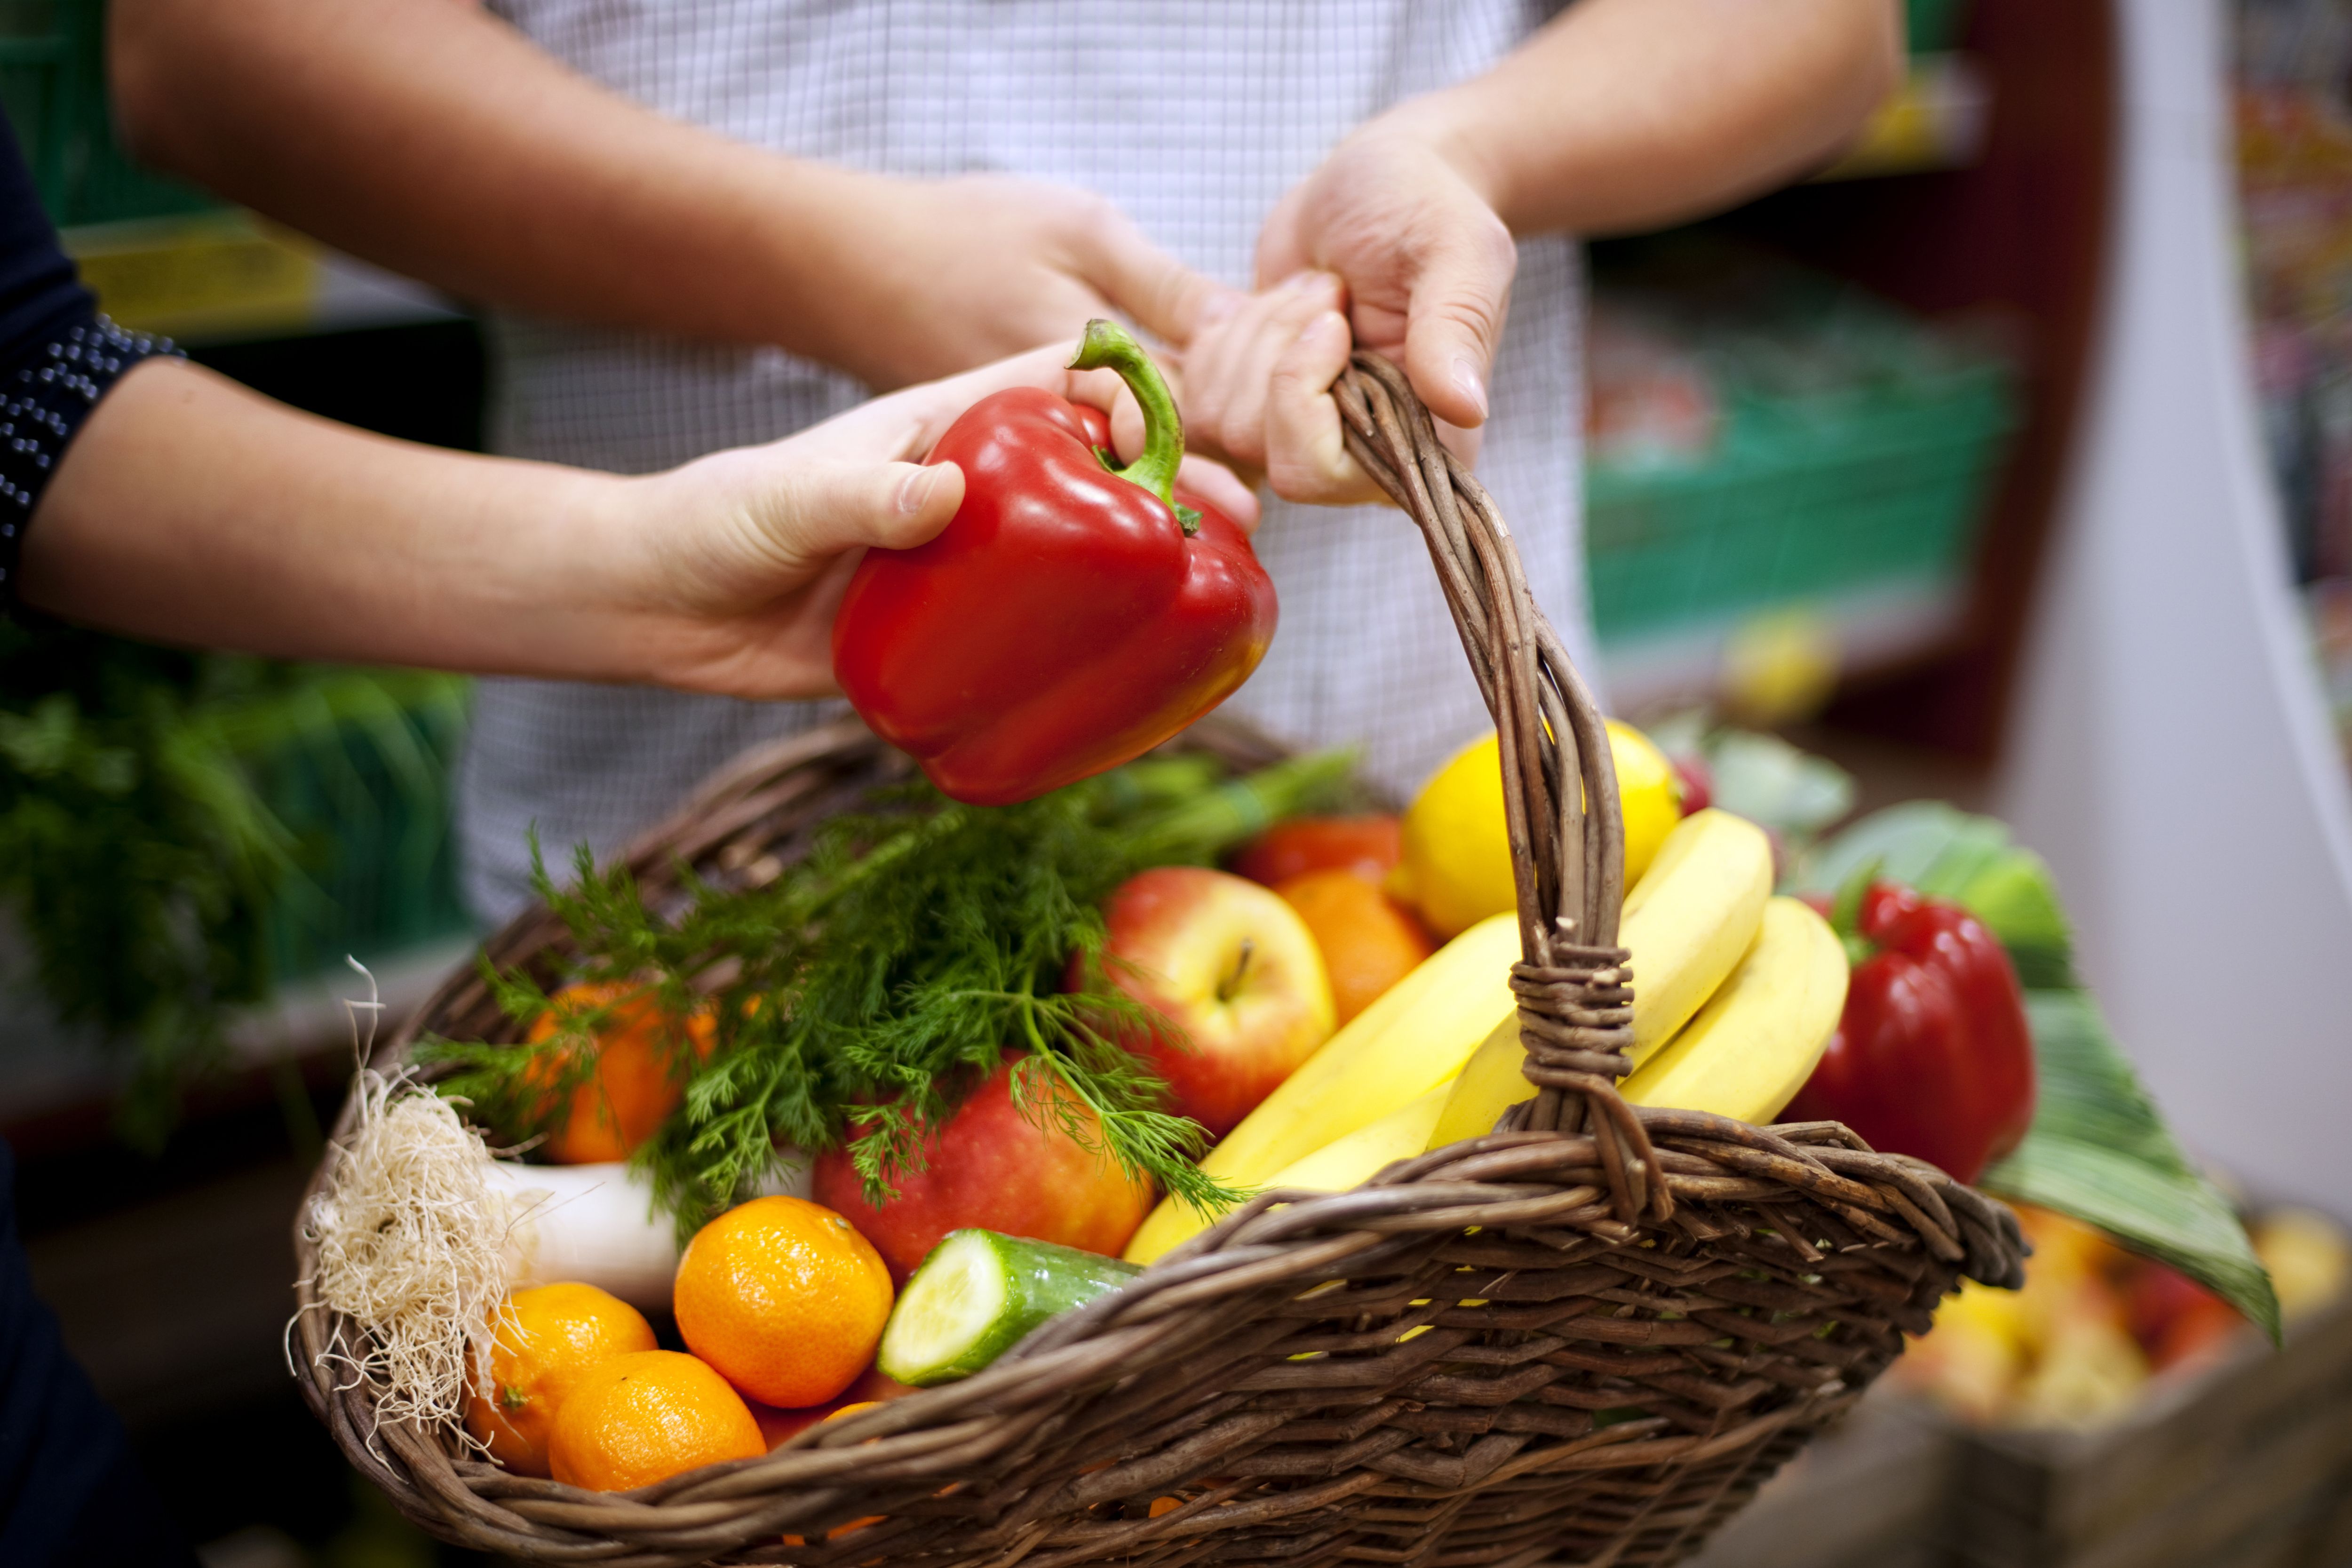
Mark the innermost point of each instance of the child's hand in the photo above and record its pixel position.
(727, 570)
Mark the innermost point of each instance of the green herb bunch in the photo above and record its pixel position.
(866, 989)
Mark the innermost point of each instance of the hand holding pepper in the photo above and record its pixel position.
(1071, 616)
(1933, 1057)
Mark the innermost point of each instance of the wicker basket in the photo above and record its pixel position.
(1585, 1337)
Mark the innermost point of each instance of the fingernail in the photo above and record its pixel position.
(915, 489)
(1323, 326)
(1223, 305)
(1297, 283)
(1466, 378)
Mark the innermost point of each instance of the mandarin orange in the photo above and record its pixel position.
(785, 1297)
(546, 1339)
(645, 1416)
(640, 1072)
(1368, 941)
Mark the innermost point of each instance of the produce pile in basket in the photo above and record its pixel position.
(946, 1101)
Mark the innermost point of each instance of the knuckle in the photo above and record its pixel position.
(1479, 314)
(1206, 406)
(1088, 221)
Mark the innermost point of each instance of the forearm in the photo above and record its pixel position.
(1632, 114)
(430, 137)
(190, 510)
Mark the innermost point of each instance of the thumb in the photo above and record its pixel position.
(1454, 322)
(821, 507)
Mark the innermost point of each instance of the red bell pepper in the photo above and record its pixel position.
(1071, 616)
(1933, 1055)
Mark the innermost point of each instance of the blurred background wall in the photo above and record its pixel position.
(2172, 753)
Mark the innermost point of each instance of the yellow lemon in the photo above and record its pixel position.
(1456, 867)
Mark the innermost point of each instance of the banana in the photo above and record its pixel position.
(1686, 923)
(1343, 1163)
(1690, 918)
(1351, 1160)
(1413, 1039)
(1757, 1040)
(1490, 1083)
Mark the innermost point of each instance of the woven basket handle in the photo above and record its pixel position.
(1568, 842)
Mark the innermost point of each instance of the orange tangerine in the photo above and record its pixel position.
(1370, 847)
(647, 1416)
(1368, 941)
(546, 1339)
(785, 1297)
(640, 1073)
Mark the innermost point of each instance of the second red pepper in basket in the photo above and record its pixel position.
(1933, 1057)
(1071, 616)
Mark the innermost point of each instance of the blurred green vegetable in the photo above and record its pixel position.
(137, 855)
(2098, 1150)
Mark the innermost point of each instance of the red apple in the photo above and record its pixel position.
(2177, 1319)
(1370, 847)
(779, 1425)
(991, 1167)
(1235, 975)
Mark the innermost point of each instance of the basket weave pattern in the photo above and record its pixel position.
(1587, 1337)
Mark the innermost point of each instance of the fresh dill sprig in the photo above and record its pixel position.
(872, 986)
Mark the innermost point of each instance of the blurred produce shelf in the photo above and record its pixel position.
(2248, 1466)
(2294, 155)
(1936, 119)
(1933, 26)
(59, 1086)
(1763, 441)
(164, 256)
(225, 276)
(1871, 629)
(354, 769)
(2241, 1461)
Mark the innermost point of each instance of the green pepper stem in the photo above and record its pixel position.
(1110, 346)
(1845, 911)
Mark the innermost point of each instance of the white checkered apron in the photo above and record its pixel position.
(1194, 116)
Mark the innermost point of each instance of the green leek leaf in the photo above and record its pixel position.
(2099, 1151)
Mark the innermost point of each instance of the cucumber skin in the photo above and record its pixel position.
(1042, 1280)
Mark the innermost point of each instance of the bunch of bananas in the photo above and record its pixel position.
(1736, 994)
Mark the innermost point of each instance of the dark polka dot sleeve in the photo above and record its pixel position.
(47, 393)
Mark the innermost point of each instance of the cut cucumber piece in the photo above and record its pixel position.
(978, 1294)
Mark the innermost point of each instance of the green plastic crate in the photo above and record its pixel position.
(1805, 499)
(53, 87)
(365, 794)
(1934, 26)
